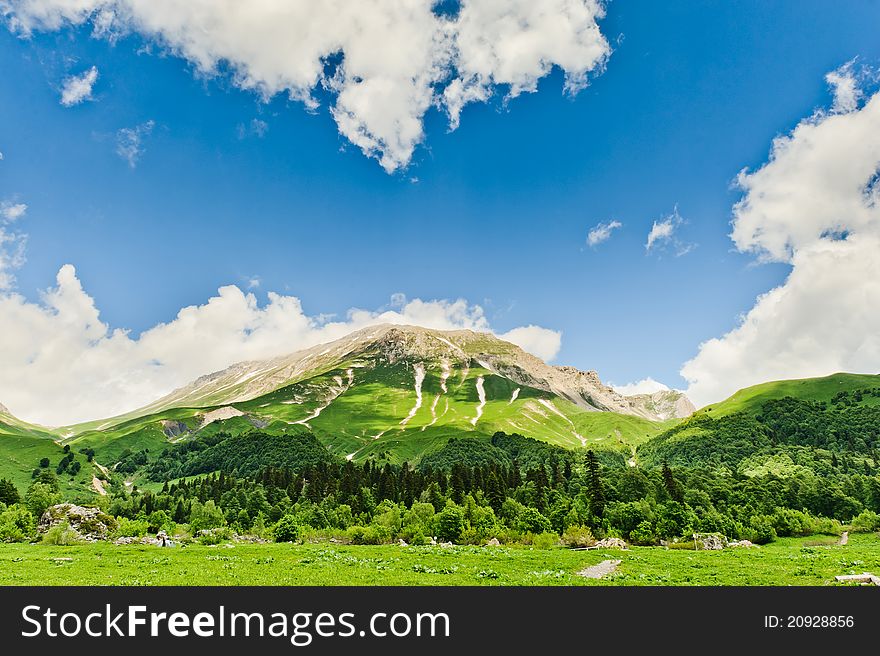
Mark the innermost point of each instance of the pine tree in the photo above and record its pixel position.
(594, 481)
(673, 487)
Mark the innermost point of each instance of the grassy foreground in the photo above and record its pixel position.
(789, 561)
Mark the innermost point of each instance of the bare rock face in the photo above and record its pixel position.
(662, 405)
(90, 524)
(4, 410)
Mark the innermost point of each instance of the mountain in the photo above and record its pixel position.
(395, 392)
(781, 427)
(452, 352)
(663, 405)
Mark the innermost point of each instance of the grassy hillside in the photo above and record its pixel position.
(781, 428)
(750, 399)
(21, 454)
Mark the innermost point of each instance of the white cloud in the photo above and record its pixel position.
(536, 340)
(63, 364)
(255, 127)
(12, 244)
(78, 88)
(10, 211)
(398, 58)
(845, 88)
(644, 386)
(602, 232)
(663, 235)
(129, 142)
(813, 205)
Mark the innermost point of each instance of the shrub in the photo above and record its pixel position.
(215, 535)
(788, 523)
(287, 529)
(578, 536)
(131, 528)
(205, 516)
(761, 529)
(866, 522)
(61, 535)
(16, 524)
(40, 496)
(532, 521)
(369, 534)
(546, 540)
(450, 523)
(643, 534)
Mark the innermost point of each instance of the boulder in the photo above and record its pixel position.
(493, 543)
(90, 524)
(611, 543)
(709, 541)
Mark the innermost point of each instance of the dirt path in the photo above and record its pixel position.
(601, 570)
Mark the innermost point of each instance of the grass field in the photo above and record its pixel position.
(790, 561)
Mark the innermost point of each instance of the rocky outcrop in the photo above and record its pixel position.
(662, 405)
(90, 524)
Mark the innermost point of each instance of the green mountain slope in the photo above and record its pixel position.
(750, 399)
(781, 428)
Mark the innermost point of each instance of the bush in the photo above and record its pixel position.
(790, 523)
(131, 528)
(643, 534)
(578, 536)
(215, 535)
(532, 521)
(866, 522)
(287, 529)
(761, 529)
(205, 516)
(61, 535)
(40, 496)
(369, 534)
(546, 540)
(17, 524)
(451, 524)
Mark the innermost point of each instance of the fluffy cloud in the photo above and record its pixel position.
(12, 243)
(644, 386)
(663, 235)
(396, 58)
(129, 142)
(813, 205)
(63, 364)
(10, 211)
(78, 88)
(602, 232)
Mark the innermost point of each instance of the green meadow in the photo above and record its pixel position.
(788, 561)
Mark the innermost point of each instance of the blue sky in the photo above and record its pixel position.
(496, 212)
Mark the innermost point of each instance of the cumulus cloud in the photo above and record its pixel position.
(663, 235)
(602, 232)
(10, 211)
(385, 62)
(644, 386)
(63, 364)
(12, 243)
(78, 88)
(129, 142)
(813, 205)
